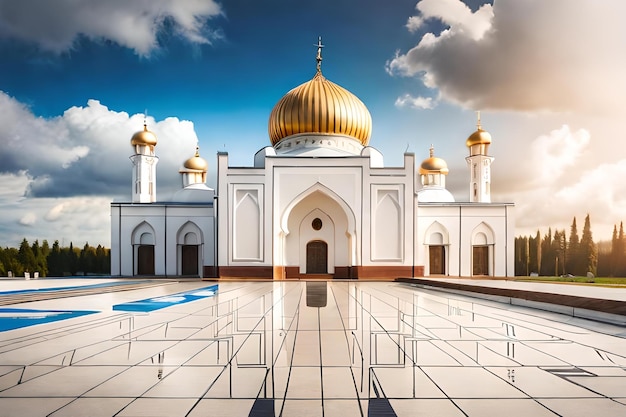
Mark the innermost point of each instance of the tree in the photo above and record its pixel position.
(534, 253)
(573, 265)
(558, 249)
(55, 260)
(588, 249)
(547, 255)
(26, 257)
(521, 256)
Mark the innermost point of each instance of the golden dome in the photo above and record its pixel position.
(144, 137)
(480, 137)
(320, 106)
(433, 165)
(196, 162)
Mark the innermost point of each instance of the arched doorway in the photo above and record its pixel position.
(144, 243)
(317, 257)
(482, 250)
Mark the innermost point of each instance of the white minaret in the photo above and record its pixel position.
(144, 166)
(479, 164)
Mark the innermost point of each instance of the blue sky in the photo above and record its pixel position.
(77, 76)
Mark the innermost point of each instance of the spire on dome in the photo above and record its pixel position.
(319, 54)
(432, 150)
(478, 126)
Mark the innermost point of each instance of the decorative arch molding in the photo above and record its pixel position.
(319, 188)
(436, 234)
(483, 235)
(143, 234)
(189, 234)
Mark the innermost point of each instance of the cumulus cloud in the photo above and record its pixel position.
(555, 55)
(66, 169)
(55, 26)
(79, 153)
(555, 152)
(408, 100)
(555, 184)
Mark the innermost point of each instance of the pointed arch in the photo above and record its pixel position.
(387, 237)
(143, 239)
(483, 235)
(143, 234)
(318, 187)
(189, 234)
(436, 234)
(483, 248)
(189, 241)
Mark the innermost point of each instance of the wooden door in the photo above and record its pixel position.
(317, 257)
(437, 257)
(145, 260)
(189, 260)
(480, 260)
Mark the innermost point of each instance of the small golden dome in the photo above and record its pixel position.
(433, 165)
(144, 137)
(480, 137)
(320, 106)
(196, 162)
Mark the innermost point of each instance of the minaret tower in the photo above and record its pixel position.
(144, 166)
(479, 163)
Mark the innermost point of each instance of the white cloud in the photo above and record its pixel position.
(414, 102)
(414, 23)
(555, 55)
(555, 152)
(458, 16)
(55, 26)
(60, 174)
(553, 182)
(28, 219)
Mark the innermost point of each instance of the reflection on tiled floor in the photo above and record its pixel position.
(309, 349)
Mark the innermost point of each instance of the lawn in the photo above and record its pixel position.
(608, 281)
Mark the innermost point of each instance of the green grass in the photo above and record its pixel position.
(620, 282)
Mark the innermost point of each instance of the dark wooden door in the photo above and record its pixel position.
(189, 260)
(316, 257)
(480, 260)
(145, 260)
(437, 260)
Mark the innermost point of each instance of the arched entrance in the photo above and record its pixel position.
(317, 215)
(317, 257)
(482, 250)
(189, 241)
(143, 241)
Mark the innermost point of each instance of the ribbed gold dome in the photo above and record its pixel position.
(144, 137)
(196, 162)
(433, 165)
(320, 106)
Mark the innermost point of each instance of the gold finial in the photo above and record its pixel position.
(197, 151)
(478, 126)
(432, 150)
(145, 120)
(319, 54)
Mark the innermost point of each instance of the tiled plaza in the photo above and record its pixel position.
(301, 348)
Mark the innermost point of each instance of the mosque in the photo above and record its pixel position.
(318, 203)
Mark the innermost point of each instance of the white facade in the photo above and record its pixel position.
(318, 202)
